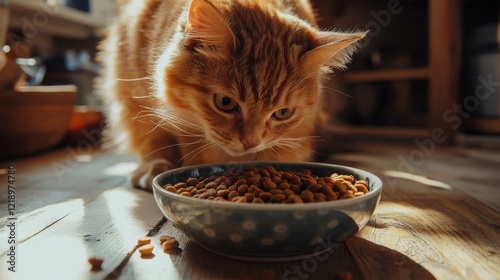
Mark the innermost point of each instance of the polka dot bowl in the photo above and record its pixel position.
(267, 232)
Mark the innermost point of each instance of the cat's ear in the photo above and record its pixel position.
(333, 49)
(207, 26)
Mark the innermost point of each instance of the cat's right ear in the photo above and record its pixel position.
(206, 26)
(333, 49)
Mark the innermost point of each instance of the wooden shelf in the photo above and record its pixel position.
(482, 125)
(386, 75)
(32, 17)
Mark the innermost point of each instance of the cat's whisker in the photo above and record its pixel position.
(196, 151)
(172, 121)
(176, 145)
(301, 81)
(172, 118)
(207, 153)
(134, 79)
(341, 92)
(274, 150)
(314, 138)
(165, 126)
(287, 148)
(188, 134)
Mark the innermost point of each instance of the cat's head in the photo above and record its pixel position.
(248, 75)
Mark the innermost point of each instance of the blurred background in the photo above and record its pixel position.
(426, 70)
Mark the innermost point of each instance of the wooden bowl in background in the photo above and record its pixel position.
(34, 119)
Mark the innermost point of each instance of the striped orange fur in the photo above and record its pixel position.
(198, 81)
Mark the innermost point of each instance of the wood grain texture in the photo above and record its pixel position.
(438, 219)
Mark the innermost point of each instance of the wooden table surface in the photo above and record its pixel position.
(438, 219)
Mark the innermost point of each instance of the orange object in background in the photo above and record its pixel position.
(85, 127)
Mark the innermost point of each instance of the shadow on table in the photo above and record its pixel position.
(375, 262)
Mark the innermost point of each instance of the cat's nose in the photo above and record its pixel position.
(250, 143)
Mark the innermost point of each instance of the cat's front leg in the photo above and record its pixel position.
(157, 150)
(143, 176)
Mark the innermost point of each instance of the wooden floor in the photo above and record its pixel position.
(439, 218)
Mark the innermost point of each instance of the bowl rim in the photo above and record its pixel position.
(374, 179)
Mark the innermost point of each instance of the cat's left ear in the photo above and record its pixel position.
(333, 49)
(207, 26)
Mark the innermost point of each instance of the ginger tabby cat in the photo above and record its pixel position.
(200, 81)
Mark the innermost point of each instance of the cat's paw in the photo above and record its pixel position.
(143, 176)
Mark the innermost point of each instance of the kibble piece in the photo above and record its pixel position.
(171, 188)
(208, 180)
(308, 181)
(288, 193)
(257, 191)
(277, 198)
(239, 199)
(319, 197)
(362, 186)
(212, 185)
(331, 196)
(307, 196)
(265, 173)
(95, 263)
(192, 182)
(164, 238)
(315, 188)
(186, 194)
(284, 185)
(257, 200)
(221, 187)
(143, 241)
(296, 188)
(232, 195)
(223, 193)
(249, 196)
(276, 179)
(344, 275)
(294, 199)
(243, 189)
(180, 185)
(266, 196)
(276, 191)
(294, 179)
(268, 184)
(348, 178)
(146, 250)
(241, 182)
(254, 180)
(170, 244)
(347, 194)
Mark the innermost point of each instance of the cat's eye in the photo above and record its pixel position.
(225, 104)
(283, 113)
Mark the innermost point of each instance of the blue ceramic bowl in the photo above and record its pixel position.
(266, 232)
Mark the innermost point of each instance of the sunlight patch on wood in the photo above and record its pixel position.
(83, 158)
(120, 169)
(61, 257)
(417, 178)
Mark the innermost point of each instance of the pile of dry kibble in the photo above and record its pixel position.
(267, 185)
